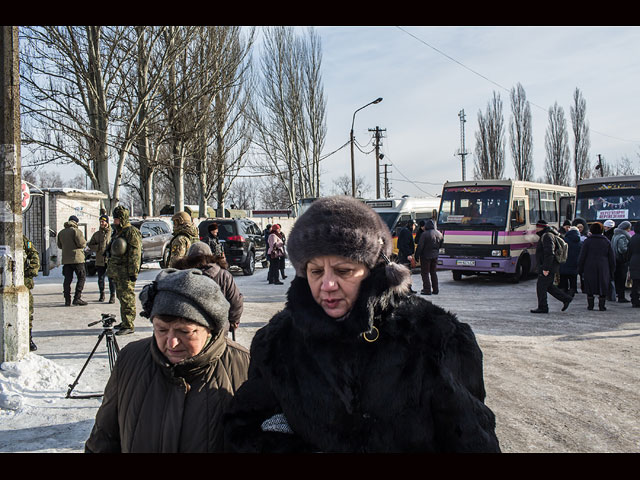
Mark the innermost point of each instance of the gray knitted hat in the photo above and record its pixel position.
(188, 294)
(199, 248)
(347, 227)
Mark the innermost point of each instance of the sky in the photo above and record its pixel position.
(427, 75)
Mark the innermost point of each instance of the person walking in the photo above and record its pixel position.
(354, 363)
(547, 268)
(168, 393)
(123, 266)
(31, 269)
(609, 227)
(620, 244)
(406, 246)
(215, 267)
(98, 243)
(274, 252)
(596, 263)
(427, 253)
(184, 234)
(634, 265)
(213, 241)
(569, 270)
(72, 242)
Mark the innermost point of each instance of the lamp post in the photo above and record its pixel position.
(353, 170)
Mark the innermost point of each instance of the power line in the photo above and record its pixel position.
(497, 84)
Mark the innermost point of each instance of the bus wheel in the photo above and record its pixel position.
(457, 275)
(521, 272)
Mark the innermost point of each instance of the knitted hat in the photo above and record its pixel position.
(343, 226)
(626, 225)
(566, 223)
(73, 218)
(199, 248)
(187, 294)
(609, 223)
(104, 217)
(541, 223)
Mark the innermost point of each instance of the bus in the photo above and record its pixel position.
(489, 225)
(609, 198)
(395, 212)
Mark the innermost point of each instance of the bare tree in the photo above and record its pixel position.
(557, 169)
(581, 162)
(521, 140)
(489, 161)
(342, 186)
(290, 117)
(243, 194)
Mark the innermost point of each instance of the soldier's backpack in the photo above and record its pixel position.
(560, 248)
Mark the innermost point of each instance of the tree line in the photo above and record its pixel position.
(563, 165)
(185, 114)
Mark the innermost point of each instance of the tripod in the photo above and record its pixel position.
(112, 350)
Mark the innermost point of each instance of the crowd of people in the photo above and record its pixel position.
(349, 364)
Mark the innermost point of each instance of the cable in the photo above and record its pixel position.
(386, 157)
(497, 84)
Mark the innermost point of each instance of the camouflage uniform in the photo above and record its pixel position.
(124, 264)
(184, 234)
(99, 243)
(31, 268)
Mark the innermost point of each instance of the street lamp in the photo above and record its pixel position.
(353, 170)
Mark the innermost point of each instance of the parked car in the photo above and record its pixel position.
(242, 240)
(156, 236)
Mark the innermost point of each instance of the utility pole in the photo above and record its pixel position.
(462, 152)
(14, 296)
(599, 166)
(387, 187)
(378, 136)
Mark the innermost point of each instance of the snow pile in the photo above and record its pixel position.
(25, 382)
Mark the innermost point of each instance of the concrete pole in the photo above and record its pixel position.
(14, 296)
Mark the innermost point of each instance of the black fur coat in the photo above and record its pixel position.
(315, 384)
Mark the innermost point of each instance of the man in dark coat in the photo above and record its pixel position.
(547, 269)
(395, 373)
(597, 264)
(406, 245)
(427, 253)
(569, 270)
(620, 243)
(634, 265)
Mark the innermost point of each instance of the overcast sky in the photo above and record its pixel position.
(427, 75)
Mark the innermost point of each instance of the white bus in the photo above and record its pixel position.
(489, 225)
(395, 212)
(609, 198)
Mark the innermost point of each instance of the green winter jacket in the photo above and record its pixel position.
(72, 242)
(125, 265)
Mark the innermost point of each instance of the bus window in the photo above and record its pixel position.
(534, 205)
(518, 214)
(474, 205)
(548, 210)
(566, 208)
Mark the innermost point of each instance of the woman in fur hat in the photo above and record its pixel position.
(354, 363)
(169, 392)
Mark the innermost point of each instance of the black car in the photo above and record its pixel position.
(156, 236)
(242, 239)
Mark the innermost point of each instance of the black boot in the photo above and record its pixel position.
(590, 302)
(601, 302)
(101, 298)
(112, 298)
(67, 300)
(78, 301)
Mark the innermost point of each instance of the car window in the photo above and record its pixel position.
(146, 230)
(162, 227)
(225, 230)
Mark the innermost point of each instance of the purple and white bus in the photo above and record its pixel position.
(609, 198)
(489, 225)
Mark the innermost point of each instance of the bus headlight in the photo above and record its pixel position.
(441, 251)
(500, 253)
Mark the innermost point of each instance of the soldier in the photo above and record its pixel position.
(98, 243)
(31, 268)
(125, 255)
(184, 234)
(72, 242)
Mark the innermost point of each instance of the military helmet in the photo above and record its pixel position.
(119, 246)
(181, 218)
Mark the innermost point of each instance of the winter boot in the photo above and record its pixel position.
(601, 302)
(590, 302)
(67, 300)
(101, 298)
(78, 301)
(112, 298)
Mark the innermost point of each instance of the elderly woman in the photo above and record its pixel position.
(168, 392)
(354, 363)
(597, 264)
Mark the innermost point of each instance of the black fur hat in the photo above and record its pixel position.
(344, 226)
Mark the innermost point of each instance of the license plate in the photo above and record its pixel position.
(466, 262)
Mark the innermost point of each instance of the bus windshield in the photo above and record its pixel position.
(600, 202)
(474, 205)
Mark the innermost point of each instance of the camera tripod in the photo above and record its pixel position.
(112, 350)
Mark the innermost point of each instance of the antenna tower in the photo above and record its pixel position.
(462, 152)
